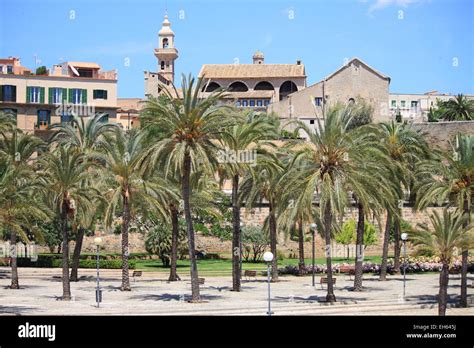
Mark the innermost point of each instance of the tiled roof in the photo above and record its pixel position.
(219, 71)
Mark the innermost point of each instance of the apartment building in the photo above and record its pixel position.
(69, 88)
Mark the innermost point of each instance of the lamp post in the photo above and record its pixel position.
(313, 230)
(240, 246)
(98, 293)
(268, 257)
(404, 238)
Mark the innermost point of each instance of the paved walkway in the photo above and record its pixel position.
(153, 295)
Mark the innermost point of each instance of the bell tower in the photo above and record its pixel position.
(166, 53)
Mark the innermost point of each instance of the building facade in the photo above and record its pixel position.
(354, 80)
(70, 88)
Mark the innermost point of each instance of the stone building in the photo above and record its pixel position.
(37, 101)
(356, 79)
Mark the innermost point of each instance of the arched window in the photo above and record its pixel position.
(351, 100)
(264, 86)
(165, 42)
(238, 86)
(287, 88)
(162, 65)
(211, 87)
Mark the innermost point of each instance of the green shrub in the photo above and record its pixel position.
(55, 261)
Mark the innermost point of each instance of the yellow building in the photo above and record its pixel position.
(69, 88)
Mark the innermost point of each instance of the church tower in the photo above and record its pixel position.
(166, 53)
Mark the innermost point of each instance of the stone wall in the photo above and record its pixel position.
(439, 133)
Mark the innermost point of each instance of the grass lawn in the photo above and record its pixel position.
(223, 267)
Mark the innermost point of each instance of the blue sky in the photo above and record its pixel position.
(422, 45)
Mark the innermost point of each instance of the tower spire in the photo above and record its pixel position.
(166, 53)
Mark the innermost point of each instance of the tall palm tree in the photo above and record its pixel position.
(260, 185)
(243, 137)
(449, 232)
(193, 125)
(334, 162)
(62, 173)
(405, 147)
(84, 135)
(449, 177)
(19, 150)
(130, 187)
(457, 108)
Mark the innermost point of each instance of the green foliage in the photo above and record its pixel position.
(41, 70)
(347, 234)
(362, 113)
(55, 261)
(254, 243)
(458, 108)
(158, 242)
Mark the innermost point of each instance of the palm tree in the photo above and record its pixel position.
(457, 108)
(193, 126)
(243, 137)
(7, 122)
(449, 177)
(84, 136)
(405, 147)
(260, 185)
(130, 187)
(18, 150)
(448, 233)
(62, 173)
(335, 161)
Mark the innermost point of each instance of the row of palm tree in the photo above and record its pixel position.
(171, 167)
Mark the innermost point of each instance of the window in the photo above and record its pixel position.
(259, 102)
(318, 101)
(311, 121)
(77, 96)
(252, 102)
(100, 94)
(66, 118)
(9, 69)
(237, 103)
(351, 101)
(245, 103)
(403, 104)
(8, 93)
(393, 103)
(414, 104)
(85, 72)
(44, 118)
(105, 118)
(56, 95)
(165, 42)
(35, 94)
(162, 65)
(266, 102)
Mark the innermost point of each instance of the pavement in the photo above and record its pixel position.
(41, 289)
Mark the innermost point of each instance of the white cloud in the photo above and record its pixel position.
(381, 4)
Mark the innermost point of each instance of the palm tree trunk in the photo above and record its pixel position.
(174, 243)
(77, 254)
(359, 258)
(125, 224)
(396, 244)
(443, 289)
(386, 240)
(330, 297)
(13, 261)
(464, 260)
(65, 250)
(236, 271)
(195, 297)
(301, 265)
(273, 242)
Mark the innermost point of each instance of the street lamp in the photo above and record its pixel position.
(404, 238)
(313, 229)
(240, 246)
(268, 258)
(98, 293)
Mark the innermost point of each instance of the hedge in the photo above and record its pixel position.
(55, 261)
